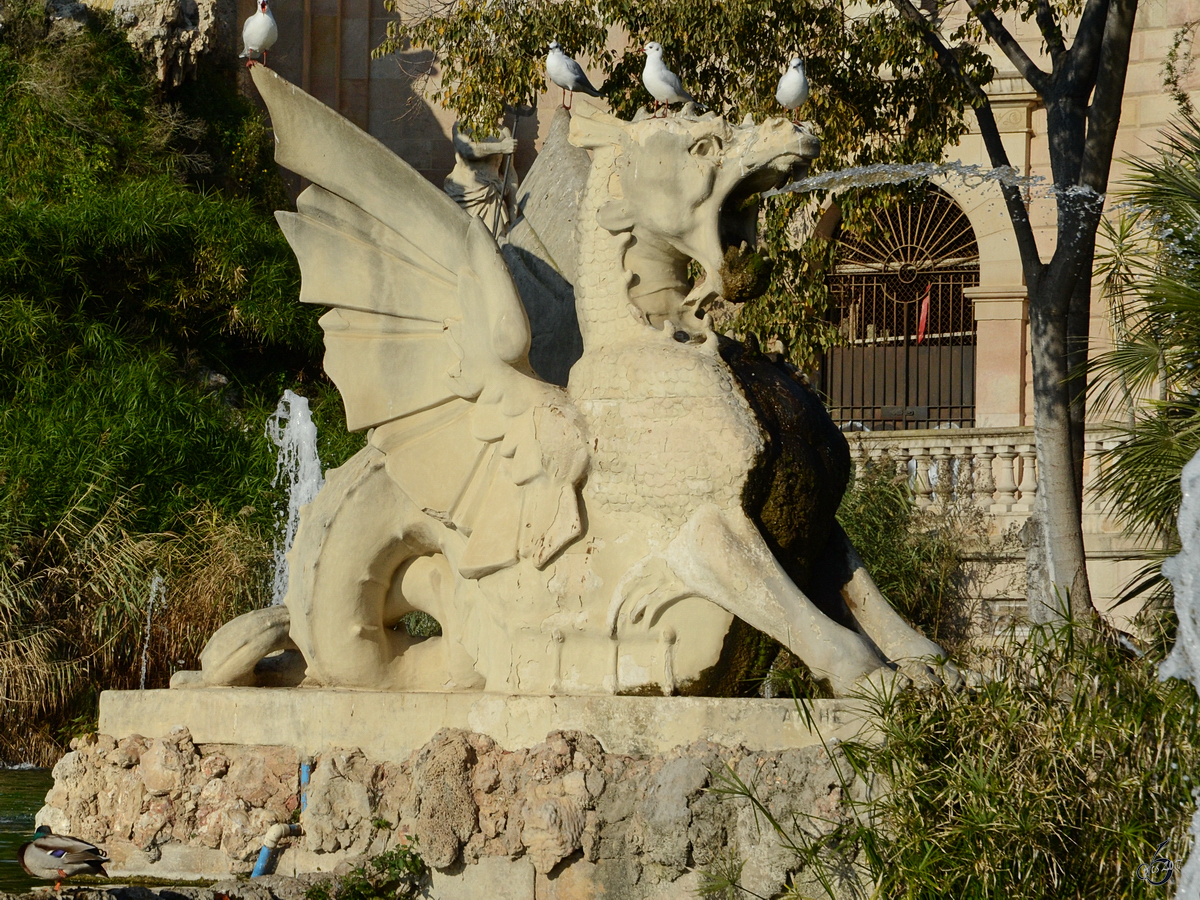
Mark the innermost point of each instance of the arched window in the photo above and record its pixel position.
(907, 356)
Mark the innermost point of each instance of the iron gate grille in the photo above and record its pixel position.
(908, 354)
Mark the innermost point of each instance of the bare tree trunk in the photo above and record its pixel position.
(1056, 570)
(1082, 94)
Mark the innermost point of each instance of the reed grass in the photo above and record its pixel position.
(925, 561)
(74, 602)
(1058, 776)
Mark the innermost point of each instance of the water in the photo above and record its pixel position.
(298, 469)
(1184, 660)
(22, 792)
(156, 592)
(899, 173)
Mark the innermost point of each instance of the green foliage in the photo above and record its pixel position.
(421, 625)
(925, 562)
(148, 324)
(148, 319)
(1178, 65)
(75, 616)
(1056, 777)
(920, 560)
(878, 96)
(394, 875)
(1150, 380)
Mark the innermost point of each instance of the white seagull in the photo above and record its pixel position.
(259, 34)
(567, 74)
(663, 84)
(792, 92)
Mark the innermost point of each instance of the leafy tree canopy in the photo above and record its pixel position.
(878, 94)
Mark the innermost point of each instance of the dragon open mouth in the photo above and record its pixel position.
(732, 271)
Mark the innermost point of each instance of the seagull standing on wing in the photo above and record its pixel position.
(663, 84)
(567, 74)
(792, 92)
(259, 34)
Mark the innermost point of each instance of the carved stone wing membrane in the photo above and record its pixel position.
(427, 340)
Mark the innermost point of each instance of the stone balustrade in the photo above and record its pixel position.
(994, 468)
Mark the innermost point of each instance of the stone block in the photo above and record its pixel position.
(493, 878)
(389, 726)
(356, 49)
(613, 879)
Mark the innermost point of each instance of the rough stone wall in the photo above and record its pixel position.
(139, 794)
(174, 34)
(634, 822)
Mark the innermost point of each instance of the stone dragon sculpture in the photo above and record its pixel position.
(609, 537)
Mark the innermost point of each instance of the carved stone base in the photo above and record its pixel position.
(509, 797)
(389, 726)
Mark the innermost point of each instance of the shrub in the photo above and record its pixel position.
(1148, 381)
(149, 321)
(79, 612)
(923, 561)
(396, 874)
(1057, 777)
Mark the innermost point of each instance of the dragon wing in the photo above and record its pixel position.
(427, 340)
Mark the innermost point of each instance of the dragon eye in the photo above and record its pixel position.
(707, 147)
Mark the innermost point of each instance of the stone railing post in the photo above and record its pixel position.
(876, 457)
(942, 480)
(1028, 480)
(985, 482)
(1006, 485)
(858, 455)
(920, 483)
(964, 476)
(1093, 454)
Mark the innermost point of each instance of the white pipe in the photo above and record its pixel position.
(270, 844)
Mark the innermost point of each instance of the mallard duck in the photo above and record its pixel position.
(58, 856)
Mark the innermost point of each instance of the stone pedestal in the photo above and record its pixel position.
(390, 726)
(508, 797)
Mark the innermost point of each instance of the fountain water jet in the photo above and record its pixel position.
(157, 588)
(298, 469)
(899, 173)
(1184, 660)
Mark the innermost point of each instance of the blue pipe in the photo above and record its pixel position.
(264, 861)
(266, 855)
(277, 832)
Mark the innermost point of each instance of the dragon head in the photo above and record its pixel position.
(686, 189)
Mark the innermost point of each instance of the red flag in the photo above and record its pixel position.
(924, 317)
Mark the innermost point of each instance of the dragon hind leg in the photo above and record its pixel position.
(847, 577)
(721, 556)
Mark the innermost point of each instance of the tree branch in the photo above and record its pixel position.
(1018, 214)
(1051, 31)
(1089, 38)
(1016, 54)
(1104, 115)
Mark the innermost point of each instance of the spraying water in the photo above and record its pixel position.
(156, 593)
(899, 173)
(298, 470)
(1184, 660)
